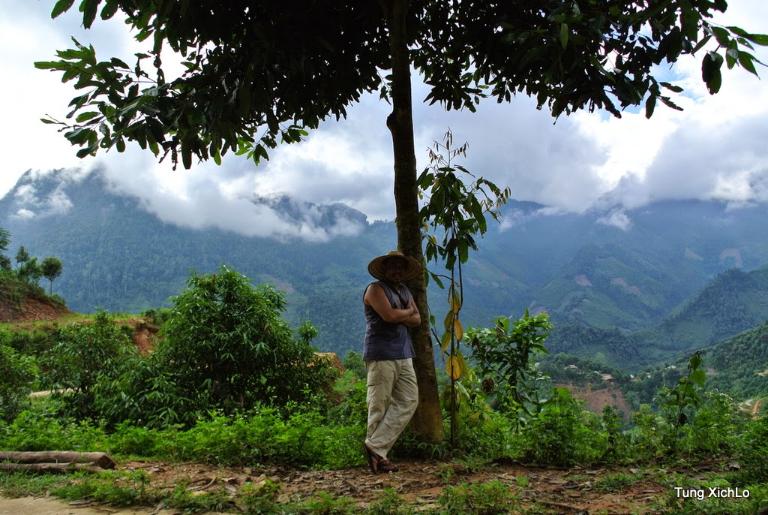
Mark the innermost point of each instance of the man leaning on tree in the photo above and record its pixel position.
(388, 352)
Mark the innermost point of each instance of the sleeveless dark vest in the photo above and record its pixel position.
(385, 341)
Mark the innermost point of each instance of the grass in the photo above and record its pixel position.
(616, 481)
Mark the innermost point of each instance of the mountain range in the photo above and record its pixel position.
(627, 286)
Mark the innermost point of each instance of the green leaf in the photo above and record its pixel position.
(650, 105)
(759, 39)
(109, 10)
(89, 9)
(672, 87)
(745, 60)
(564, 33)
(83, 117)
(60, 7)
(710, 71)
(186, 156)
(721, 35)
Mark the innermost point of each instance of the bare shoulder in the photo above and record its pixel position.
(373, 290)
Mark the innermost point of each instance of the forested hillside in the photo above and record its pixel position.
(601, 283)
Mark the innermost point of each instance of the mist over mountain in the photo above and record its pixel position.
(606, 271)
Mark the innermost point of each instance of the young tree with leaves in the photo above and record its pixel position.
(5, 240)
(50, 268)
(260, 73)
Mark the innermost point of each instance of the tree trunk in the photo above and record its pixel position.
(50, 467)
(427, 421)
(64, 458)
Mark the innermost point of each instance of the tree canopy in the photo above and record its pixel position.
(257, 73)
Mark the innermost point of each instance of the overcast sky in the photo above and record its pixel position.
(714, 149)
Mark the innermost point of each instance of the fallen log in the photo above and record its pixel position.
(98, 459)
(49, 467)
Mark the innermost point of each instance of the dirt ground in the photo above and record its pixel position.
(418, 482)
(50, 506)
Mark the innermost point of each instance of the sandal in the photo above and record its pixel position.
(373, 459)
(384, 465)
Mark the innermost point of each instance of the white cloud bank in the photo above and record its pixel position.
(713, 149)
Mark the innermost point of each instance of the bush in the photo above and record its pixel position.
(563, 434)
(17, 373)
(84, 353)
(753, 452)
(226, 347)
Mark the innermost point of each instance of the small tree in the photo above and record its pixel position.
(504, 354)
(29, 270)
(51, 269)
(455, 210)
(22, 256)
(227, 347)
(82, 355)
(5, 240)
(16, 375)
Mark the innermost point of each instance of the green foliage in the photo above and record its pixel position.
(752, 452)
(648, 435)
(16, 375)
(84, 354)
(260, 499)
(226, 347)
(213, 501)
(615, 482)
(698, 421)
(50, 268)
(562, 63)
(563, 434)
(324, 503)
(505, 354)
(489, 498)
(458, 211)
(389, 503)
(23, 484)
(116, 488)
(618, 447)
(353, 361)
(36, 431)
(5, 240)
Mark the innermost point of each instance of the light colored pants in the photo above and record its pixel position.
(393, 395)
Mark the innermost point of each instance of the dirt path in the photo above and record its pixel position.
(576, 490)
(421, 483)
(51, 506)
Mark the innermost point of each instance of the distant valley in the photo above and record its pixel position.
(626, 287)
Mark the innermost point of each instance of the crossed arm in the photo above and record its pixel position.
(375, 297)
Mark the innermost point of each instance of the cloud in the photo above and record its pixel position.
(616, 218)
(31, 203)
(693, 163)
(709, 151)
(202, 198)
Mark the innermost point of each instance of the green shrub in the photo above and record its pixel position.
(389, 503)
(17, 372)
(199, 502)
(752, 452)
(260, 499)
(324, 503)
(648, 437)
(618, 448)
(489, 498)
(83, 353)
(563, 434)
(112, 487)
(32, 342)
(226, 347)
(34, 431)
(143, 391)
